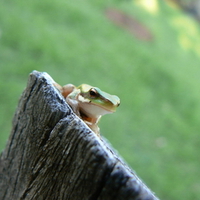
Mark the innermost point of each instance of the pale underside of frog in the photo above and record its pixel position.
(89, 103)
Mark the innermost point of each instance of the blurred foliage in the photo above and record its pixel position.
(156, 128)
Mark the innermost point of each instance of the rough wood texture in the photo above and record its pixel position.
(52, 154)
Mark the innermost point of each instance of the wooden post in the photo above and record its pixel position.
(52, 154)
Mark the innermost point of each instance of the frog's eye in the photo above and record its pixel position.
(93, 93)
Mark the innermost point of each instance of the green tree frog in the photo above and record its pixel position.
(89, 103)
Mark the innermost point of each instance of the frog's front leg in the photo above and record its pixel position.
(66, 89)
(93, 127)
(74, 105)
(92, 123)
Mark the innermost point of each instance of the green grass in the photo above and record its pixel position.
(156, 128)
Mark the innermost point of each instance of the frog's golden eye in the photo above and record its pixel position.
(93, 93)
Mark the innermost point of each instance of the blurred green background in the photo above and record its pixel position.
(156, 128)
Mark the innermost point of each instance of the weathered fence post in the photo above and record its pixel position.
(52, 154)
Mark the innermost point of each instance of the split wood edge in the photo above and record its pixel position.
(52, 154)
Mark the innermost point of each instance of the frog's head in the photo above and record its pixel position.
(95, 102)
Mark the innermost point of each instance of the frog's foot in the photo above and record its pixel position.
(65, 90)
(93, 127)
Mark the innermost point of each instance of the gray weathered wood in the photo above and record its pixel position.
(52, 154)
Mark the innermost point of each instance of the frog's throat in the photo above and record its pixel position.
(91, 120)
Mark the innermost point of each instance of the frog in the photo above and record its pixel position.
(89, 103)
